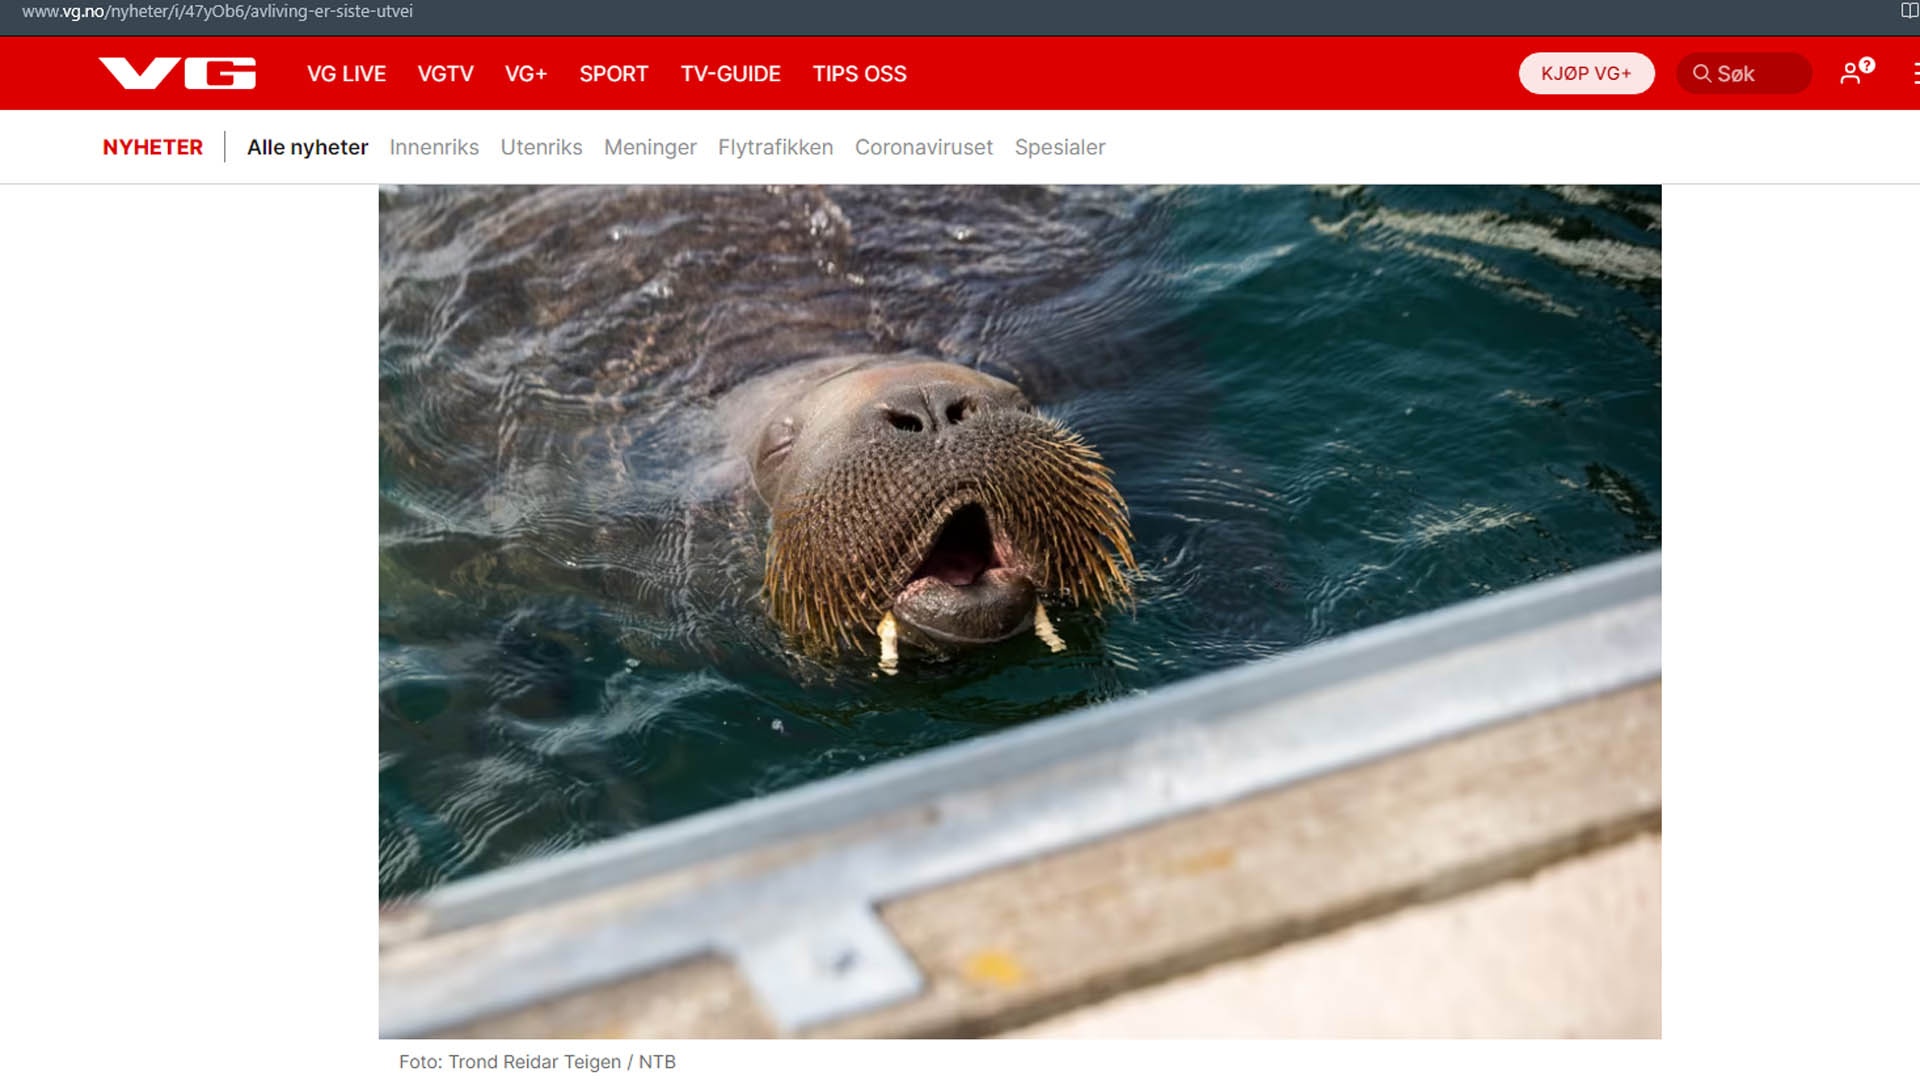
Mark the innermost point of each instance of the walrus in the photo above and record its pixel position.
(919, 500)
(690, 426)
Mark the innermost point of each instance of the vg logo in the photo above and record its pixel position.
(234, 72)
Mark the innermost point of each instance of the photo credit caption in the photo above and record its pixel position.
(538, 1063)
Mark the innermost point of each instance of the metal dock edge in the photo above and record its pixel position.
(801, 925)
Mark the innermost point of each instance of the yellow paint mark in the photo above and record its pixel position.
(1206, 861)
(994, 967)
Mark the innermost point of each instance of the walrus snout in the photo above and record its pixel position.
(922, 499)
(969, 589)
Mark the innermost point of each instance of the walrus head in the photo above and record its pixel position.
(928, 497)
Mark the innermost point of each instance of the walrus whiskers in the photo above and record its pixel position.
(842, 549)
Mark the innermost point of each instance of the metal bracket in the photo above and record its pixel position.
(829, 964)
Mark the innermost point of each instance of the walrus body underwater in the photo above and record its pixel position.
(696, 408)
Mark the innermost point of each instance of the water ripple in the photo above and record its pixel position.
(1326, 408)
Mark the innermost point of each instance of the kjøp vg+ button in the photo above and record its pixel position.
(1586, 73)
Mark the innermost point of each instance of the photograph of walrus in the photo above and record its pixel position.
(1062, 611)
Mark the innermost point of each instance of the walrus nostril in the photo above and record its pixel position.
(930, 408)
(948, 404)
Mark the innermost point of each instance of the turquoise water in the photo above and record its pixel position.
(1327, 408)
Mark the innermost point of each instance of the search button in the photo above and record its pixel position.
(1745, 73)
(1586, 73)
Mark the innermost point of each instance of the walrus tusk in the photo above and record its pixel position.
(889, 645)
(1044, 627)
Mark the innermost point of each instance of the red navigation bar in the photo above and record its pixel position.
(959, 73)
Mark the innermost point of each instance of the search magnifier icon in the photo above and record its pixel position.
(1702, 73)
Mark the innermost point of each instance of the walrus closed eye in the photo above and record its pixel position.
(923, 501)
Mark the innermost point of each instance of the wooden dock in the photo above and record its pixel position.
(1505, 874)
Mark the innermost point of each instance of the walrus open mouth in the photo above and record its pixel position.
(962, 592)
(962, 552)
(950, 542)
